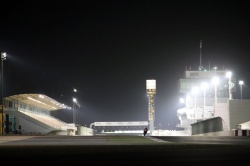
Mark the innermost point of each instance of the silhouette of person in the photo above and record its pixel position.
(145, 131)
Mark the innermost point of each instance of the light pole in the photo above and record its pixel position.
(74, 106)
(241, 83)
(215, 81)
(3, 57)
(74, 101)
(229, 75)
(204, 86)
(194, 91)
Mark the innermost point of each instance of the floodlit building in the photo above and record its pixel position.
(208, 104)
(31, 114)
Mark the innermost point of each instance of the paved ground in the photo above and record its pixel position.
(123, 150)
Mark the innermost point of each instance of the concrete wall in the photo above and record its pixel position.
(27, 127)
(207, 126)
(244, 126)
(218, 133)
(242, 133)
(221, 110)
(85, 131)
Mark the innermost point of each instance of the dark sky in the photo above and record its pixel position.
(108, 49)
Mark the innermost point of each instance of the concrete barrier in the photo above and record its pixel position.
(242, 132)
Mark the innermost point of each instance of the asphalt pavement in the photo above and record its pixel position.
(117, 150)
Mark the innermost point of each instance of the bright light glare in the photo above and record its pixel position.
(204, 85)
(229, 74)
(182, 100)
(215, 80)
(41, 96)
(41, 102)
(241, 82)
(74, 100)
(3, 55)
(195, 90)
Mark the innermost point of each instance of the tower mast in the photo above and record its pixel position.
(200, 52)
(200, 67)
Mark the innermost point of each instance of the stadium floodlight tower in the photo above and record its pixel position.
(151, 91)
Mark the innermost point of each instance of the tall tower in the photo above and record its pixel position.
(151, 91)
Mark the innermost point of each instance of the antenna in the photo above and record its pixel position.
(200, 51)
(200, 67)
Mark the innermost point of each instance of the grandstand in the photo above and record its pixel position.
(31, 114)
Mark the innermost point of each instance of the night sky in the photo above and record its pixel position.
(108, 49)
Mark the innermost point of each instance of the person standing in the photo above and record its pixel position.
(145, 131)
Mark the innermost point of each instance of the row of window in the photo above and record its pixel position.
(24, 106)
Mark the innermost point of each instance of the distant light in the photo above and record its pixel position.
(215, 68)
(241, 82)
(204, 85)
(75, 90)
(41, 96)
(3, 55)
(215, 80)
(229, 74)
(182, 100)
(187, 96)
(194, 90)
(74, 100)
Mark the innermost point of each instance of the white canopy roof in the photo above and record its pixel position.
(39, 100)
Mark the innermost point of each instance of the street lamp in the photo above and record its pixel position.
(204, 86)
(215, 81)
(3, 57)
(74, 106)
(241, 83)
(229, 75)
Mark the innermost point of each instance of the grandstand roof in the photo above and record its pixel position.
(38, 100)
